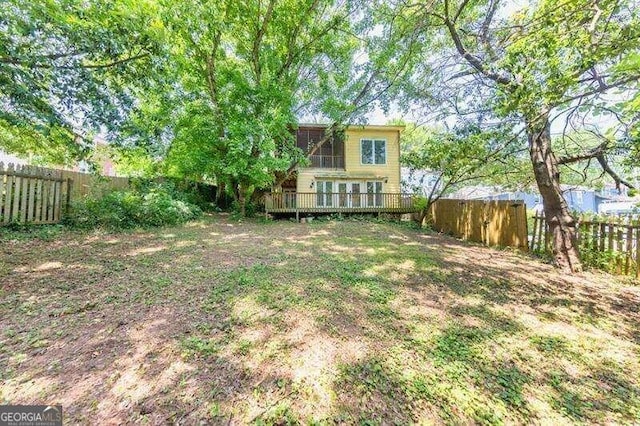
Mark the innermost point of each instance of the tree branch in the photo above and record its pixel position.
(602, 88)
(53, 56)
(599, 154)
(474, 61)
(262, 30)
(616, 178)
(460, 10)
(593, 153)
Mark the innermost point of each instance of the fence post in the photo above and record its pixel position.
(532, 246)
(525, 233)
(637, 251)
(67, 207)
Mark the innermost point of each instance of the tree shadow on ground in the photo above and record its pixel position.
(281, 323)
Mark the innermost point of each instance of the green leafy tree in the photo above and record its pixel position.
(69, 65)
(235, 74)
(239, 75)
(463, 155)
(549, 61)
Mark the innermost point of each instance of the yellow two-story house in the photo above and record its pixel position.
(356, 170)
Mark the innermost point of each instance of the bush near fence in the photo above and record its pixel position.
(40, 195)
(153, 204)
(609, 243)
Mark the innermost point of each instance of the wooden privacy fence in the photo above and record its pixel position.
(609, 243)
(494, 223)
(86, 183)
(31, 194)
(37, 195)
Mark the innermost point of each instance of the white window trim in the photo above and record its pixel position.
(386, 152)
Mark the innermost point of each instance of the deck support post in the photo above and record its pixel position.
(297, 215)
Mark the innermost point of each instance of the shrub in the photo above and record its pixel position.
(200, 194)
(151, 205)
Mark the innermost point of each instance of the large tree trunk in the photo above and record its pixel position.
(562, 225)
(244, 194)
(242, 200)
(220, 195)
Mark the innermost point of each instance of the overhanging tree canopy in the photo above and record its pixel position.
(71, 65)
(547, 62)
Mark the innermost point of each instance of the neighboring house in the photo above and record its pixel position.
(357, 170)
(611, 191)
(491, 193)
(618, 202)
(582, 199)
(620, 207)
(579, 199)
(531, 199)
(420, 181)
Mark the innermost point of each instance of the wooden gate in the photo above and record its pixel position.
(31, 194)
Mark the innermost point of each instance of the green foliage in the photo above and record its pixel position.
(465, 155)
(420, 202)
(179, 189)
(134, 162)
(26, 142)
(152, 205)
(66, 64)
(250, 209)
(606, 260)
(552, 57)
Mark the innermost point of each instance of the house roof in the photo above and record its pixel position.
(567, 187)
(375, 127)
(313, 125)
(353, 126)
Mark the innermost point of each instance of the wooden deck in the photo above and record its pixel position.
(318, 202)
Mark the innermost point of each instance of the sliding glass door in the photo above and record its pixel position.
(324, 193)
(374, 194)
(349, 194)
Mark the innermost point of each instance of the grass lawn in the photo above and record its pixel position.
(328, 322)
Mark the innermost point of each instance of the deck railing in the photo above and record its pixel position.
(326, 161)
(335, 202)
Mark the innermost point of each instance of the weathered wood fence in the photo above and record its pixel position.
(86, 183)
(609, 243)
(31, 195)
(494, 223)
(38, 195)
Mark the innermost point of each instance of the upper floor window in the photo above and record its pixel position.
(373, 151)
